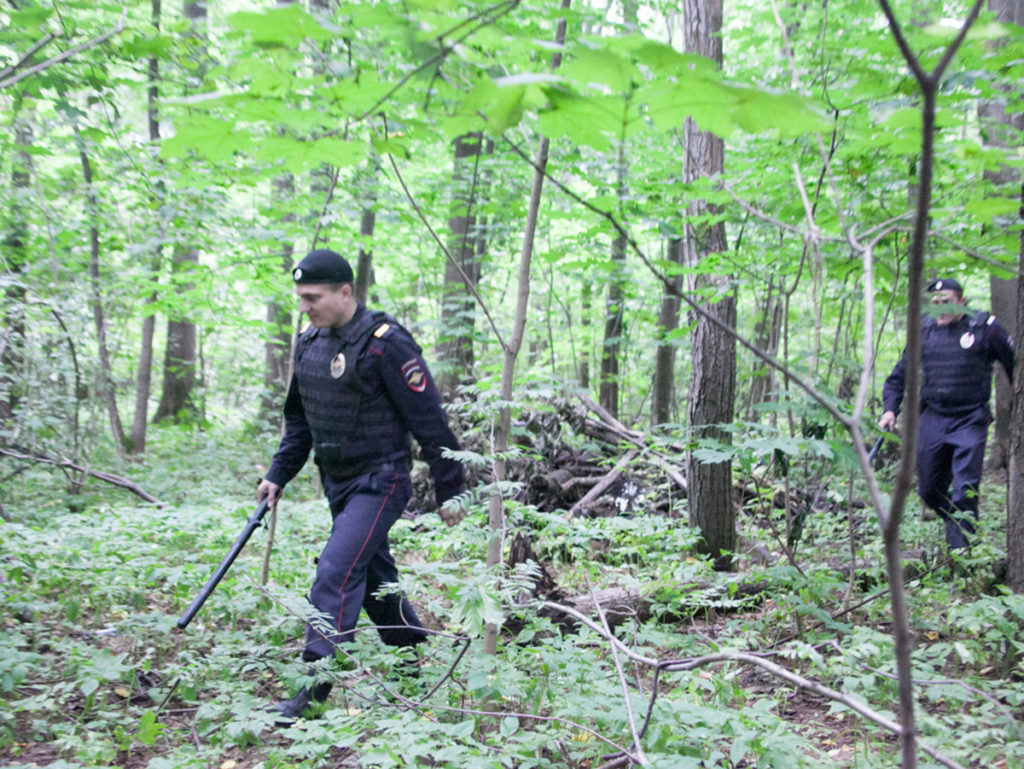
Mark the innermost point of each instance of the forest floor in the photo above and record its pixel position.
(93, 672)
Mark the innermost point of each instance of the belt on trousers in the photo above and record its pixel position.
(398, 460)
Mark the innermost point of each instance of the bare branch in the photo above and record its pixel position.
(625, 686)
(448, 254)
(65, 55)
(804, 683)
(63, 462)
(427, 709)
(1014, 268)
(485, 18)
(759, 214)
(751, 659)
(27, 55)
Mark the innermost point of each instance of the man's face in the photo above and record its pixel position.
(326, 305)
(948, 296)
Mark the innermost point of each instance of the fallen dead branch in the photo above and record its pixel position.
(603, 484)
(743, 658)
(114, 480)
(611, 430)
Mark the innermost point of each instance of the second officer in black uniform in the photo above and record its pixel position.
(359, 389)
(958, 349)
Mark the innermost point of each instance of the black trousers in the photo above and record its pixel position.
(357, 561)
(950, 451)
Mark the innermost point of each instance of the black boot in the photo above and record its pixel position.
(290, 710)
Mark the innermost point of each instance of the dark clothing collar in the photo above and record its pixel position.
(345, 333)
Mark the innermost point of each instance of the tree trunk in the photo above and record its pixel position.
(614, 317)
(107, 390)
(1004, 306)
(663, 392)
(1015, 473)
(503, 428)
(1000, 129)
(180, 356)
(608, 388)
(586, 344)
(713, 355)
(458, 309)
(278, 346)
(1011, 398)
(367, 223)
(12, 337)
(762, 376)
(176, 400)
(144, 374)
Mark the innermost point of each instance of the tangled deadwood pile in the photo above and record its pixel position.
(577, 458)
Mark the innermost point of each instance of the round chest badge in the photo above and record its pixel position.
(338, 365)
(967, 340)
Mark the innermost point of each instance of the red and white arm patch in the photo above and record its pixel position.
(414, 372)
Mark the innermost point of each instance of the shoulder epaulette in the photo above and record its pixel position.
(382, 329)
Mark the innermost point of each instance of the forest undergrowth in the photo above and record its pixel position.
(94, 673)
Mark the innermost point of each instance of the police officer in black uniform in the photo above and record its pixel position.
(958, 349)
(359, 389)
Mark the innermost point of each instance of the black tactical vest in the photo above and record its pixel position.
(956, 365)
(353, 425)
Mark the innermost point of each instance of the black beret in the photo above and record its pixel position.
(945, 284)
(323, 266)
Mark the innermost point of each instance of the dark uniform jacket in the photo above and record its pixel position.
(356, 394)
(956, 362)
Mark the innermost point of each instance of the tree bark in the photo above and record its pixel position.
(713, 355)
(1001, 130)
(1012, 11)
(1003, 295)
(586, 344)
(614, 327)
(762, 376)
(14, 241)
(107, 390)
(503, 428)
(664, 390)
(455, 350)
(176, 400)
(278, 346)
(1015, 472)
(614, 313)
(367, 224)
(144, 374)
(180, 356)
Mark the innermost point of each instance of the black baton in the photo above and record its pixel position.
(250, 526)
(875, 448)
